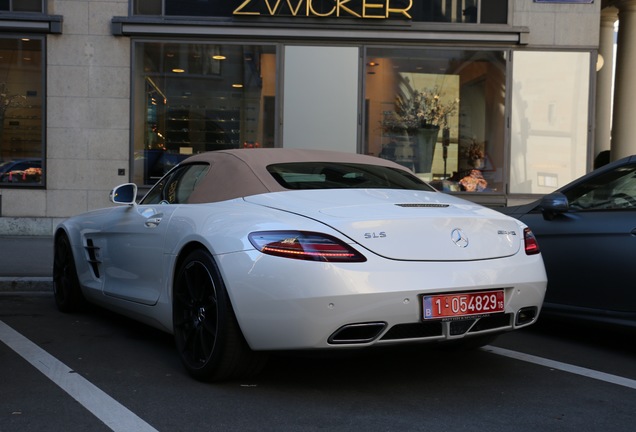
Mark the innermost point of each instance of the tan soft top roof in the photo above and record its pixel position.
(243, 172)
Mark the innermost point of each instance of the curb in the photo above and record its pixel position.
(17, 284)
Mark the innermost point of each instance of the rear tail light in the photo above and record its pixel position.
(305, 246)
(530, 241)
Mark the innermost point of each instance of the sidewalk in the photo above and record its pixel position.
(26, 263)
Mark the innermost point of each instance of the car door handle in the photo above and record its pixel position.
(153, 222)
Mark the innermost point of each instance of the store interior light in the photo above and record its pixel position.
(219, 57)
(178, 70)
(237, 85)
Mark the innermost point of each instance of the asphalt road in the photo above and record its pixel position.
(97, 371)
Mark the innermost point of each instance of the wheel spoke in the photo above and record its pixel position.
(204, 347)
(210, 326)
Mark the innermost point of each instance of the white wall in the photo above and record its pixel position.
(321, 98)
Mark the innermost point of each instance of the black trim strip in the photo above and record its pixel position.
(30, 23)
(161, 26)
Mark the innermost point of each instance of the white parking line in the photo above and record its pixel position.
(590, 373)
(108, 410)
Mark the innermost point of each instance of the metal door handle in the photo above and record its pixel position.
(153, 222)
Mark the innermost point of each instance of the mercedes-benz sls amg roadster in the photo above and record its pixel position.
(241, 252)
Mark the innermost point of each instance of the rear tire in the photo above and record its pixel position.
(206, 332)
(66, 287)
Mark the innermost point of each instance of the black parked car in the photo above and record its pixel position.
(587, 234)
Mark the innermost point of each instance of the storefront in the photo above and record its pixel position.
(467, 93)
(434, 86)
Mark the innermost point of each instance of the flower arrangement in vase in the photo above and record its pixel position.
(420, 109)
(421, 113)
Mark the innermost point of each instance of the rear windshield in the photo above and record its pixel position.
(330, 175)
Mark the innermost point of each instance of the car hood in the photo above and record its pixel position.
(406, 224)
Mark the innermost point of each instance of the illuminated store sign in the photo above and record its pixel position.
(366, 9)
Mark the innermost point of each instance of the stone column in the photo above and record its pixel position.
(624, 121)
(604, 77)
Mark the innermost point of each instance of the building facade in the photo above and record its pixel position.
(493, 100)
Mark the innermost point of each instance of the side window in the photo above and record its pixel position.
(614, 190)
(176, 187)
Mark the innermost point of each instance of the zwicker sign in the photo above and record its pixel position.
(365, 9)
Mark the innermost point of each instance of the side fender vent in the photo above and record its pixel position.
(93, 253)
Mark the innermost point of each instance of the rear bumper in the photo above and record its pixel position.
(289, 304)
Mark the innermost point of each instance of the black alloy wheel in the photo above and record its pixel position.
(66, 287)
(207, 335)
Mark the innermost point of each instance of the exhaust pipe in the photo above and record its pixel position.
(357, 333)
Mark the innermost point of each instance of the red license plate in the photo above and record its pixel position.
(460, 305)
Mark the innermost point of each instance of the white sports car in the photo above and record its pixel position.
(241, 252)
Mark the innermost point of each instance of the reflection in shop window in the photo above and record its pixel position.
(549, 120)
(21, 112)
(196, 97)
(439, 113)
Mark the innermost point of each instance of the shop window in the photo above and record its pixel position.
(439, 113)
(196, 97)
(22, 5)
(21, 112)
(450, 11)
(549, 120)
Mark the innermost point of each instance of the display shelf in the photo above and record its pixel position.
(203, 129)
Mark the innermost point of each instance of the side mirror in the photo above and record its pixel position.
(124, 194)
(553, 204)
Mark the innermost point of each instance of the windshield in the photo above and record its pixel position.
(330, 175)
(614, 189)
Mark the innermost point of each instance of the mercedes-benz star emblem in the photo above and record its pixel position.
(459, 238)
